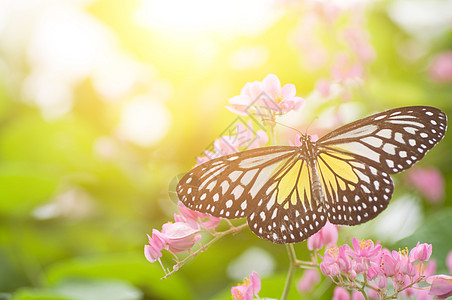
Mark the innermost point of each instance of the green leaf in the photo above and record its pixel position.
(131, 267)
(98, 289)
(436, 231)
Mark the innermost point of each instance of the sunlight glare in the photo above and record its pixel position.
(144, 121)
(200, 16)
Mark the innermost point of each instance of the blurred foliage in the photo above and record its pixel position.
(78, 195)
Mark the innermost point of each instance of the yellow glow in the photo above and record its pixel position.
(201, 16)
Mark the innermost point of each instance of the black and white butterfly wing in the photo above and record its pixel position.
(288, 211)
(272, 186)
(355, 192)
(355, 160)
(392, 140)
(228, 186)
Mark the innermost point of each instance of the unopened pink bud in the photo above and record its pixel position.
(382, 282)
(341, 294)
(421, 252)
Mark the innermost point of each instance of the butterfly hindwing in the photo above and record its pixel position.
(355, 192)
(287, 211)
(227, 186)
(394, 140)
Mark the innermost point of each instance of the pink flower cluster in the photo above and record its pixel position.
(347, 62)
(180, 236)
(248, 289)
(267, 95)
(377, 267)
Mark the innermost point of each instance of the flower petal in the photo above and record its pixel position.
(272, 85)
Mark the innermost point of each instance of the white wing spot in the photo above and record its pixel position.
(365, 189)
(271, 202)
(433, 122)
(423, 135)
(248, 176)
(374, 141)
(412, 142)
(403, 154)
(389, 148)
(224, 187)
(235, 175)
(385, 133)
(380, 117)
(189, 180)
(211, 185)
(399, 138)
(390, 163)
(411, 130)
(376, 185)
(244, 205)
(237, 191)
(229, 203)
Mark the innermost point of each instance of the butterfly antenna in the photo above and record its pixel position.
(309, 125)
(275, 122)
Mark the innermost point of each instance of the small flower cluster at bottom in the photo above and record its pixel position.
(376, 271)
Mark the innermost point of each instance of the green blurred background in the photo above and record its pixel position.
(103, 103)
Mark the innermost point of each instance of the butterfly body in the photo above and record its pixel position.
(288, 193)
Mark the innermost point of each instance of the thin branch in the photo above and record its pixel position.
(219, 235)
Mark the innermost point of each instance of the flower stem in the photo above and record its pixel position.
(292, 268)
(219, 235)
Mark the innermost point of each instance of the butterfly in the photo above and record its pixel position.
(287, 193)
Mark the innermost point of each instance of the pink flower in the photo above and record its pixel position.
(374, 270)
(341, 294)
(335, 261)
(441, 286)
(357, 295)
(309, 279)
(421, 252)
(429, 182)
(194, 218)
(449, 261)
(180, 236)
(248, 289)
(440, 68)
(250, 93)
(283, 96)
(327, 236)
(157, 243)
(364, 251)
(388, 265)
(245, 137)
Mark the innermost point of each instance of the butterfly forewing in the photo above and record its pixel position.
(394, 140)
(355, 192)
(227, 186)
